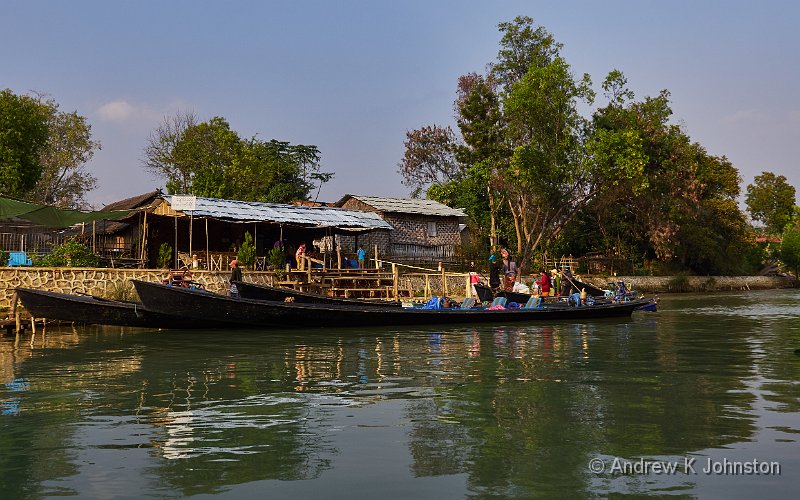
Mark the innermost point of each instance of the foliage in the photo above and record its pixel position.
(247, 252)
(71, 253)
(3, 258)
(790, 248)
(210, 159)
(64, 181)
(123, 291)
(277, 260)
(23, 137)
(164, 259)
(771, 200)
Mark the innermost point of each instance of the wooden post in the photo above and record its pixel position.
(94, 238)
(191, 226)
(395, 280)
(427, 287)
(468, 288)
(208, 250)
(444, 282)
(33, 325)
(339, 255)
(377, 264)
(14, 311)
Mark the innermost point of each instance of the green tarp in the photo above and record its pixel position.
(52, 216)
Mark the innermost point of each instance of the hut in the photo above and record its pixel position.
(423, 230)
(214, 229)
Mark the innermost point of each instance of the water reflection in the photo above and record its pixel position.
(503, 411)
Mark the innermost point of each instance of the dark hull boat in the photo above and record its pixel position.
(97, 311)
(485, 293)
(255, 313)
(265, 292)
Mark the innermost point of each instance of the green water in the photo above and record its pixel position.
(522, 411)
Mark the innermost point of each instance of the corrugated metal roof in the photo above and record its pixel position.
(407, 205)
(251, 211)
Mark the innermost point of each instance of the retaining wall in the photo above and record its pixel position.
(111, 282)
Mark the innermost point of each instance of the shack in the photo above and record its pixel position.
(214, 229)
(423, 230)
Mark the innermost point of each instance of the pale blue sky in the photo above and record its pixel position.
(352, 76)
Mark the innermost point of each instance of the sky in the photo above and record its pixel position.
(351, 77)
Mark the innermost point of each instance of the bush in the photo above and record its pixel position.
(164, 255)
(71, 253)
(247, 253)
(678, 283)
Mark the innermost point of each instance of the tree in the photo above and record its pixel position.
(64, 181)
(23, 137)
(210, 159)
(771, 200)
(790, 248)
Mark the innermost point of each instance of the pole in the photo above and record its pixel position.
(191, 226)
(377, 264)
(94, 242)
(208, 250)
(395, 280)
(176, 241)
(444, 282)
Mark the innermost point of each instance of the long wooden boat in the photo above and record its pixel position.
(266, 292)
(97, 311)
(241, 312)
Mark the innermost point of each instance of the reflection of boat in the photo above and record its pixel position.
(266, 292)
(248, 312)
(97, 311)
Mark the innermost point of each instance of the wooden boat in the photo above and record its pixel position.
(241, 312)
(97, 311)
(485, 293)
(280, 294)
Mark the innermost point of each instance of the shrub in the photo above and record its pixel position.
(247, 253)
(71, 253)
(678, 283)
(164, 255)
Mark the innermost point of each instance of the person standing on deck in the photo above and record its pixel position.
(236, 275)
(361, 255)
(301, 252)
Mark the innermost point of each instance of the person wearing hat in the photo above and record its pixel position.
(495, 268)
(566, 281)
(236, 275)
(509, 270)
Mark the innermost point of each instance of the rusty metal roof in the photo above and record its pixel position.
(251, 211)
(406, 205)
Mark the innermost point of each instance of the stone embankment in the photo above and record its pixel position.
(115, 283)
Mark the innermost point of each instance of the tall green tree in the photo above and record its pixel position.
(210, 159)
(770, 200)
(64, 180)
(790, 247)
(23, 137)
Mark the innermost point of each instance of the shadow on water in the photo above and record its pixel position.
(510, 411)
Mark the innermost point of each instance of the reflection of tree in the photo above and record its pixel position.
(538, 404)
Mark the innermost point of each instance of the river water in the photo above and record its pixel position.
(631, 408)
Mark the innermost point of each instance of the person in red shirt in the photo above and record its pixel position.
(544, 284)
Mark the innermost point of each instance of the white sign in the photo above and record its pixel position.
(184, 203)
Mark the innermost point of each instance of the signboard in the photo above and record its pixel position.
(183, 203)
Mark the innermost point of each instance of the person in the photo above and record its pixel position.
(566, 280)
(544, 284)
(555, 282)
(236, 275)
(301, 251)
(509, 269)
(622, 292)
(278, 244)
(495, 268)
(361, 255)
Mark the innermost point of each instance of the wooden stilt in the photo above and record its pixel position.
(395, 280)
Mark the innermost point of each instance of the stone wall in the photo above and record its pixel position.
(104, 282)
(677, 284)
(108, 282)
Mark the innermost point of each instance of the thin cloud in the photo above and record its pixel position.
(743, 116)
(122, 111)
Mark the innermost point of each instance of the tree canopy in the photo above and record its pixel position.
(770, 200)
(210, 159)
(23, 137)
(43, 151)
(532, 172)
